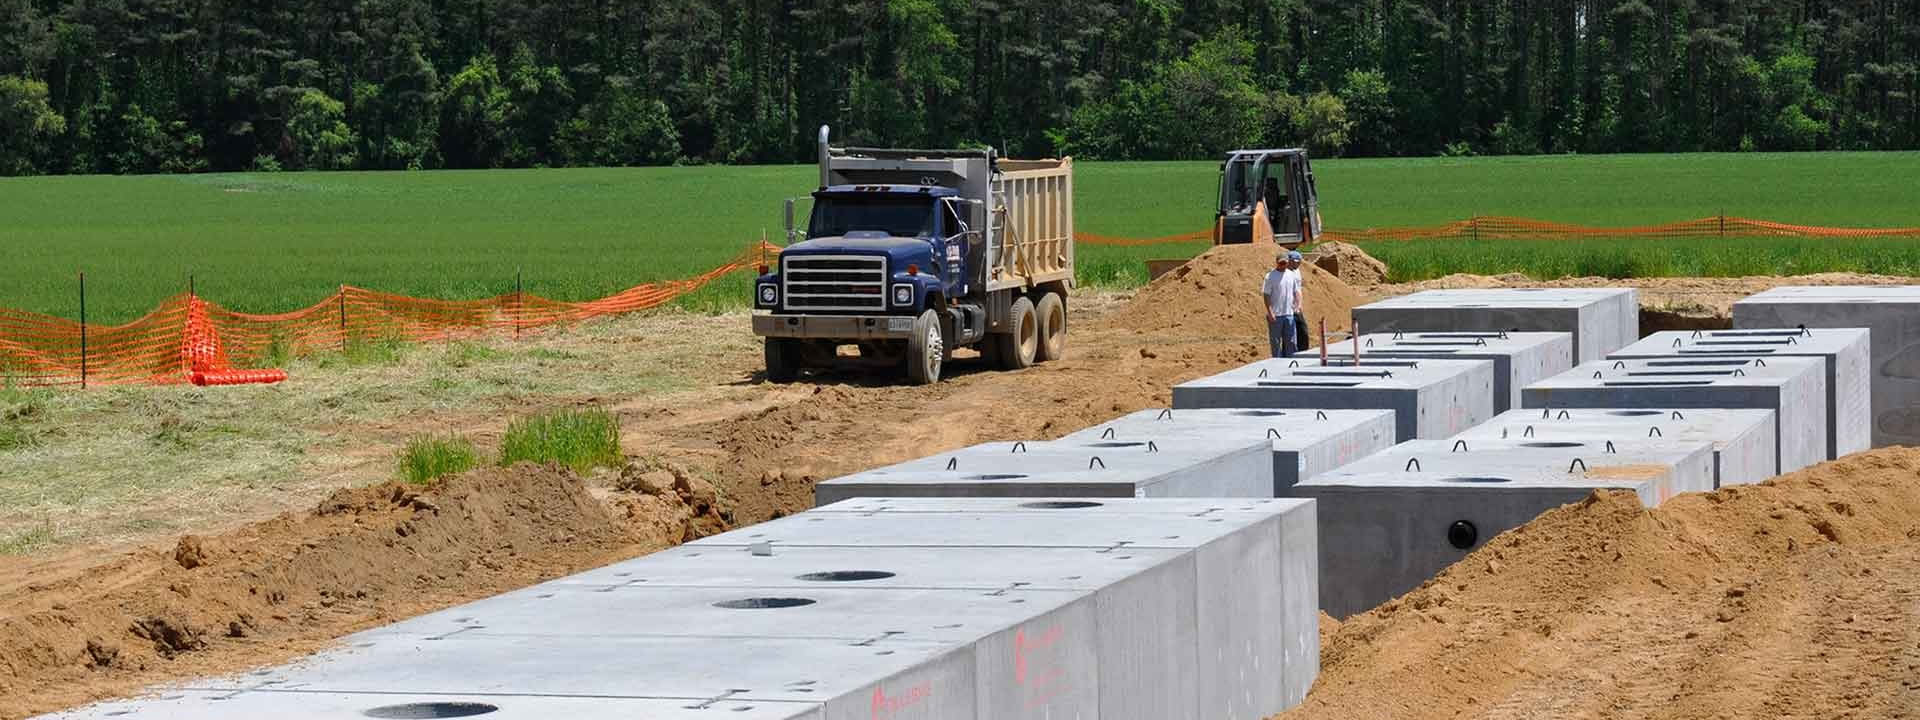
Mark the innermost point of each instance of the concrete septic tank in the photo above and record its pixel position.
(1384, 532)
(1430, 398)
(1241, 468)
(1891, 313)
(1519, 358)
(1247, 585)
(1671, 467)
(1845, 351)
(256, 704)
(1794, 388)
(1305, 442)
(1601, 320)
(1744, 441)
(1083, 609)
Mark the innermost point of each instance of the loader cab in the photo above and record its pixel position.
(1267, 195)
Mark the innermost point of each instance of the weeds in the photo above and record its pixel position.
(465, 353)
(27, 541)
(578, 439)
(366, 352)
(427, 458)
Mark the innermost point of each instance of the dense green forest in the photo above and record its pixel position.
(141, 86)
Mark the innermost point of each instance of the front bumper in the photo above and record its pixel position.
(835, 327)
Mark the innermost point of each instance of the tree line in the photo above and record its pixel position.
(145, 86)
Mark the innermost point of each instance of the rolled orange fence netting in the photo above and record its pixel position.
(188, 339)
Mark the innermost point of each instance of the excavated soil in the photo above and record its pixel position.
(1218, 295)
(286, 586)
(1799, 597)
(1349, 263)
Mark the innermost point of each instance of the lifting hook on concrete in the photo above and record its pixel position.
(1263, 372)
(1459, 445)
(1545, 413)
(953, 463)
(1273, 433)
(1503, 433)
(1610, 448)
(1676, 342)
(1619, 364)
(1737, 372)
(1678, 416)
(1095, 460)
(1793, 340)
(1397, 334)
(1107, 434)
(1596, 374)
(1293, 363)
(1369, 342)
(1412, 465)
(1697, 334)
(1760, 362)
(1528, 432)
(1577, 462)
(1166, 414)
(1564, 415)
(1151, 447)
(1503, 334)
(1482, 342)
(1019, 446)
(1805, 331)
(1655, 432)
(1319, 414)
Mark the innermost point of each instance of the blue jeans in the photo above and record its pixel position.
(1280, 336)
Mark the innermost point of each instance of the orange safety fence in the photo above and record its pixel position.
(191, 340)
(1515, 228)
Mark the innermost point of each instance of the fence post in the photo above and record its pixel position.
(519, 300)
(343, 317)
(1723, 222)
(1476, 227)
(83, 331)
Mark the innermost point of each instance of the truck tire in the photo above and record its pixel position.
(783, 359)
(1017, 350)
(1052, 312)
(926, 350)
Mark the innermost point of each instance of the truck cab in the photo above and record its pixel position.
(908, 254)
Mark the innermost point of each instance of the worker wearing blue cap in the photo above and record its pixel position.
(1280, 292)
(1299, 305)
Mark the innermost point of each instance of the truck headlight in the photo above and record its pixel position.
(903, 294)
(768, 294)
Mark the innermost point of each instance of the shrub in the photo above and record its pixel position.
(578, 439)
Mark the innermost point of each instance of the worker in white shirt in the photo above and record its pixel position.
(1280, 293)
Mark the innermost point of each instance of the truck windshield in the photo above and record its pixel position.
(896, 215)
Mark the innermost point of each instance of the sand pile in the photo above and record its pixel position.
(1218, 295)
(1349, 263)
(279, 588)
(1795, 598)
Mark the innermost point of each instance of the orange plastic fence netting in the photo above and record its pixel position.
(1515, 228)
(188, 339)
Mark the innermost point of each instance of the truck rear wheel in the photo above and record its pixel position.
(1052, 313)
(1017, 350)
(783, 359)
(926, 350)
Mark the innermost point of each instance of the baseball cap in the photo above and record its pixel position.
(1293, 254)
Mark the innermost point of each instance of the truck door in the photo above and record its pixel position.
(958, 256)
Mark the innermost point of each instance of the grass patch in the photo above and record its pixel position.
(466, 353)
(27, 541)
(578, 439)
(366, 352)
(427, 458)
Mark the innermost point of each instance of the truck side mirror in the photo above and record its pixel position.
(789, 220)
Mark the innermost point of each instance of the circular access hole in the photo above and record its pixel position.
(763, 603)
(1115, 444)
(846, 576)
(431, 710)
(1462, 534)
(1553, 444)
(1259, 413)
(1478, 479)
(1634, 413)
(1060, 505)
(996, 476)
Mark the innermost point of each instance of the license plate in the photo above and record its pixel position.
(900, 324)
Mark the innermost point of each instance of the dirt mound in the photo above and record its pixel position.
(1217, 295)
(1349, 263)
(285, 586)
(1794, 598)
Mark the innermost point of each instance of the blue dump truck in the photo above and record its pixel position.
(910, 254)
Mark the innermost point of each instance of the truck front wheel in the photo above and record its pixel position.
(783, 359)
(1052, 312)
(1017, 350)
(926, 350)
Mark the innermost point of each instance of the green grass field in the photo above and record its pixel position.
(274, 242)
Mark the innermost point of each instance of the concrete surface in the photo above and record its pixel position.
(1305, 442)
(1180, 468)
(1601, 320)
(1846, 351)
(1892, 314)
(1384, 531)
(1519, 358)
(1794, 388)
(1743, 440)
(1430, 398)
(1137, 609)
(1673, 467)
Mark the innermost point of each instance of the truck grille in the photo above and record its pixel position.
(834, 282)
